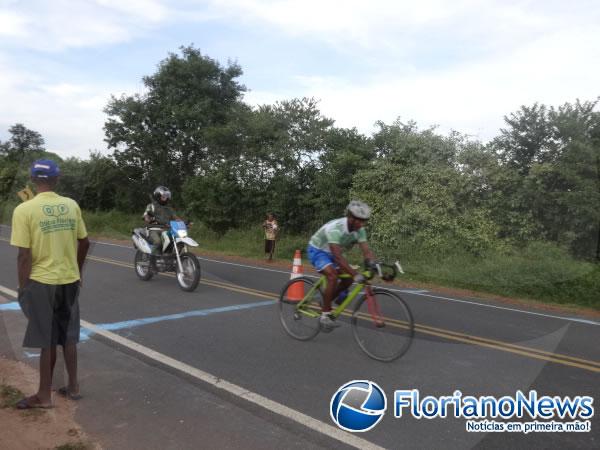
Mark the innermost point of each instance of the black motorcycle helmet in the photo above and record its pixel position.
(162, 195)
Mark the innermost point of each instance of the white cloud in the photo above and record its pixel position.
(62, 24)
(395, 24)
(462, 64)
(69, 116)
(471, 98)
(12, 24)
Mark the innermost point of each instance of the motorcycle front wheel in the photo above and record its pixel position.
(189, 277)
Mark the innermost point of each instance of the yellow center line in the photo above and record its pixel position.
(426, 329)
(567, 360)
(530, 352)
(215, 283)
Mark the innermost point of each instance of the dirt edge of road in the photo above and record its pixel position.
(36, 428)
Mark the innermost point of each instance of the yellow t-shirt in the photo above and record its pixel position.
(49, 225)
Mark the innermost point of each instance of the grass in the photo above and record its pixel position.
(538, 271)
(112, 224)
(9, 396)
(246, 242)
(74, 446)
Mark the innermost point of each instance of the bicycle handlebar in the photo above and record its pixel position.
(379, 267)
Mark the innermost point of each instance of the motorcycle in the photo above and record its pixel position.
(175, 256)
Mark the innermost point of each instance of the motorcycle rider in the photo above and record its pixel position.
(159, 213)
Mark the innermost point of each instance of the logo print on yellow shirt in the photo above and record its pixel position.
(55, 210)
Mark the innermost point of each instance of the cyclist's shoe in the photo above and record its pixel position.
(328, 323)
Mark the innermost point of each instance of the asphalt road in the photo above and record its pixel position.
(214, 369)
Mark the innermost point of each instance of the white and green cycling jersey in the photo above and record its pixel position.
(336, 232)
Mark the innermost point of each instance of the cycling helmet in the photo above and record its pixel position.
(161, 192)
(358, 209)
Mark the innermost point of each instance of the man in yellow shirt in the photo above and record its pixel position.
(52, 240)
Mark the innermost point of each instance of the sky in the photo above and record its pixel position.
(458, 65)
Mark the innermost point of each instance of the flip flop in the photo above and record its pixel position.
(32, 403)
(64, 391)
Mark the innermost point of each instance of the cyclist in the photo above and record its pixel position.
(159, 213)
(325, 253)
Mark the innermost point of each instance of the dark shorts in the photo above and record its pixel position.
(269, 246)
(52, 312)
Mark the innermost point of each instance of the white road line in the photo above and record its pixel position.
(571, 319)
(408, 291)
(111, 244)
(8, 291)
(263, 402)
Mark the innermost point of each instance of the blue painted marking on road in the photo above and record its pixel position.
(12, 306)
(200, 312)
(85, 334)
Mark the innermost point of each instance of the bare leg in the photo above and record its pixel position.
(70, 352)
(331, 288)
(47, 361)
(272, 250)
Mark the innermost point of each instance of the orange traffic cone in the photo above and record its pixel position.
(296, 290)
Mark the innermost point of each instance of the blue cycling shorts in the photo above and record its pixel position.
(320, 258)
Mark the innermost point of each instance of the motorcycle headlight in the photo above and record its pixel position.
(182, 233)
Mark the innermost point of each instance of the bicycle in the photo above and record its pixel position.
(382, 323)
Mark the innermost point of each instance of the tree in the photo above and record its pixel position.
(527, 138)
(175, 130)
(345, 153)
(422, 195)
(96, 183)
(550, 157)
(295, 140)
(16, 155)
(21, 143)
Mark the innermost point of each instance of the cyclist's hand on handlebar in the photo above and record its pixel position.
(388, 278)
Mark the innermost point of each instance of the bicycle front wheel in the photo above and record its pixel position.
(382, 325)
(300, 308)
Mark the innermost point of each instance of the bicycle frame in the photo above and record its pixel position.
(342, 307)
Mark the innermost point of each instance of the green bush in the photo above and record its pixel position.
(247, 242)
(540, 271)
(112, 224)
(6, 209)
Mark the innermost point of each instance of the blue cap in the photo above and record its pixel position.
(44, 168)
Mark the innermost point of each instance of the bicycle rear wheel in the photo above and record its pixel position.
(382, 325)
(300, 321)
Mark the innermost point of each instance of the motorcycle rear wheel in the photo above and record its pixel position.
(142, 266)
